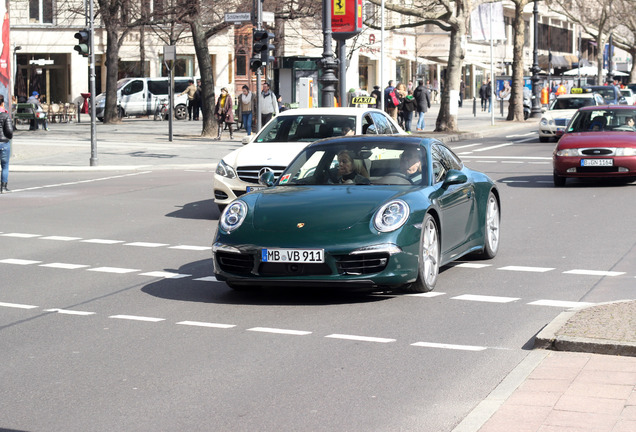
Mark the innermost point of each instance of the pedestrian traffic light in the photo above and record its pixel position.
(263, 46)
(255, 63)
(83, 42)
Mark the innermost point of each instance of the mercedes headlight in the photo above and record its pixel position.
(391, 216)
(233, 216)
(544, 121)
(225, 170)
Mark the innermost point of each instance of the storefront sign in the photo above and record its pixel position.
(346, 18)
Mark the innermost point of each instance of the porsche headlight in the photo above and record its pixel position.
(567, 152)
(233, 216)
(626, 151)
(391, 216)
(225, 170)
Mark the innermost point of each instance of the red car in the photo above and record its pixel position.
(600, 141)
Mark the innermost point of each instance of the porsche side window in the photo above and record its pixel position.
(439, 168)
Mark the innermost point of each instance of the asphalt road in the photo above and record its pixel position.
(110, 319)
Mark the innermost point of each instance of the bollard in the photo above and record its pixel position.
(501, 104)
(474, 107)
(79, 110)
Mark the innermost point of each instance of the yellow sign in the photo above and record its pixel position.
(576, 90)
(339, 7)
(363, 100)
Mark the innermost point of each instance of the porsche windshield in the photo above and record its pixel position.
(308, 128)
(619, 120)
(356, 163)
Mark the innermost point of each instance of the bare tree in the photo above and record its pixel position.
(515, 111)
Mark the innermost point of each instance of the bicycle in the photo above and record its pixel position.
(161, 111)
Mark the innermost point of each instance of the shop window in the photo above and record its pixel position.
(41, 11)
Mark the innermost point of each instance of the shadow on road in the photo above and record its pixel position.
(205, 209)
(546, 182)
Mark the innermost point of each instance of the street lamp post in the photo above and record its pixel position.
(536, 91)
(328, 63)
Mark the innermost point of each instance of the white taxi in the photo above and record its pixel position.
(555, 119)
(283, 137)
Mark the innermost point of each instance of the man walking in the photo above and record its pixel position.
(6, 133)
(268, 104)
(390, 97)
(190, 91)
(423, 99)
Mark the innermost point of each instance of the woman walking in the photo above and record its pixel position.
(6, 133)
(246, 108)
(224, 113)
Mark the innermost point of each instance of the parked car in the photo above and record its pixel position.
(555, 119)
(361, 213)
(283, 137)
(611, 94)
(599, 142)
(628, 94)
(140, 96)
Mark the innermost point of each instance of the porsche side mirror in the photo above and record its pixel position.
(267, 179)
(455, 177)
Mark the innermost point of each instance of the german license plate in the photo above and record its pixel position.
(293, 255)
(254, 188)
(597, 162)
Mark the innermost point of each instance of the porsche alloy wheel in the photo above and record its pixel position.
(428, 268)
(492, 228)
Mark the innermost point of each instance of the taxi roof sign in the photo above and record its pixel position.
(358, 100)
(576, 90)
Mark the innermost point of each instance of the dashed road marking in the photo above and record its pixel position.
(21, 235)
(118, 270)
(206, 324)
(279, 331)
(146, 244)
(166, 275)
(17, 305)
(60, 238)
(430, 294)
(69, 312)
(102, 241)
(64, 266)
(449, 346)
(18, 261)
(560, 303)
(527, 269)
(192, 248)
(483, 298)
(207, 279)
(594, 273)
(473, 265)
(137, 318)
(359, 338)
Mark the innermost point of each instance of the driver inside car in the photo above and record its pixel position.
(411, 165)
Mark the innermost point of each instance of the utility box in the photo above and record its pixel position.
(306, 93)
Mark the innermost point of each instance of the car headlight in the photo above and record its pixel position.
(567, 152)
(233, 216)
(626, 151)
(544, 122)
(225, 170)
(391, 216)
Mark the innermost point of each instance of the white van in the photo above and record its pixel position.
(140, 96)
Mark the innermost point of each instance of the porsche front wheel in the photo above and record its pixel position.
(428, 268)
(492, 227)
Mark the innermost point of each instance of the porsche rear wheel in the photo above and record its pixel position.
(491, 228)
(428, 268)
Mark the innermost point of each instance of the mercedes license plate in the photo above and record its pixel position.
(597, 162)
(293, 255)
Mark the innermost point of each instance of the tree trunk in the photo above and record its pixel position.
(515, 109)
(207, 76)
(112, 69)
(445, 121)
(600, 78)
(632, 72)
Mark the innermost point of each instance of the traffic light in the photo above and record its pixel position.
(255, 63)
(263, 46)
(83, 42)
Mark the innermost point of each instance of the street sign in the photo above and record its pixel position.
(268, 17)
(238, 17)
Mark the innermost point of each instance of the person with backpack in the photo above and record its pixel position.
(6, 134)
(391, 101)
(409, 105)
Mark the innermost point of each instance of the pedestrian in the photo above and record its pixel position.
(196, 106)
(190, 91)
(422, 97)
(409, 106)
(246, 105)
(39, 112)
(268, 103)
(462, 92)
(489, 94)
(378, 97)
(401, 92)
(6, 134)
(483, 96)
(224, 113)
(391, 101)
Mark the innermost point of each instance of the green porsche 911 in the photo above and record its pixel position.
(360, 212)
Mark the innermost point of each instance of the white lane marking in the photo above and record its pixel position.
(428, 294)
(207, 279)
(511, 157)
(18, 261)
(359, 338)
(102, 241)
(483, 298)
(17, 305)
(113, 270)
(473, 265)
(465, 146)
(494, 147)
(279, 331)
(521, 135)
(194, 248)
(560, 303)
(206, 324)
(166, 275)
(594, 272)
(64, 266)
(82, 181)
(526, 140)
(70, 312)
(515, 181)
(21, 235)
(145, 244)
(60, 238)
(527, 269)
(136, 318)
(513, 162)
(449, 346)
